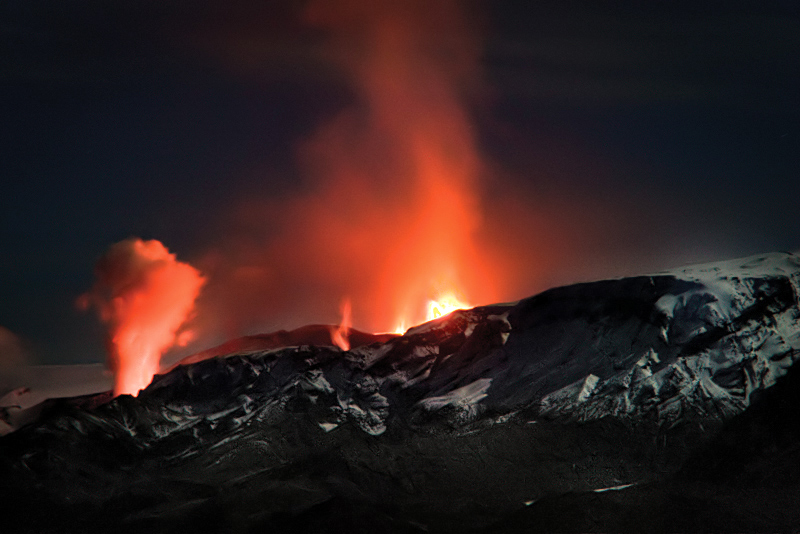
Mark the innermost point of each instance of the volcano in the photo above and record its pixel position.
(667, 402)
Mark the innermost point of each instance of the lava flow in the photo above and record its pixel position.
(444, 305)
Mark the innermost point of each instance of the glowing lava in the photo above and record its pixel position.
(446, 304)
(443, 305)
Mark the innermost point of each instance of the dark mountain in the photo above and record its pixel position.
(655, 403)
(316, 334)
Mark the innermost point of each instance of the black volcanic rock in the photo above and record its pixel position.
(654, 403)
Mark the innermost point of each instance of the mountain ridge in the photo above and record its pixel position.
(461, 423)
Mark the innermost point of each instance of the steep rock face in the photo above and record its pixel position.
(467, 422)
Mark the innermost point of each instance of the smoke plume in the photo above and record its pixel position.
(409, 152)
(143, 295)
(340, 335)
(395, 206)
(390, 208)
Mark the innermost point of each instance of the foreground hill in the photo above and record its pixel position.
(661, 402)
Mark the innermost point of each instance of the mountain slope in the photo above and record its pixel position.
(489, 418)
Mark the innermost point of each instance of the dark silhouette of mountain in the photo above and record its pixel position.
(654, 403)
(317, 334)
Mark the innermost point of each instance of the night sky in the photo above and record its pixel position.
(653, 133)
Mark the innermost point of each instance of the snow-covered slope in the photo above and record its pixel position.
(458, 424)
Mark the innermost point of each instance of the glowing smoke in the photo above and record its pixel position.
(390, 206)
(411, 150)
(143, 295)
(341, 335)
(395, 207)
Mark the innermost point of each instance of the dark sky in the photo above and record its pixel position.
(672, 127)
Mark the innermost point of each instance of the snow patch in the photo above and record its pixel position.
(614, 488)
(468, 395)
(423, 351)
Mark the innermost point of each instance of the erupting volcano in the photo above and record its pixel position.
(389, 223)
(603, 406)
(408, 274)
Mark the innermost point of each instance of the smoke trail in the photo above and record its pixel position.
(143, 294)
(340, 335)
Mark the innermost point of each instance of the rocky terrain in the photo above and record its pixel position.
(666, 402)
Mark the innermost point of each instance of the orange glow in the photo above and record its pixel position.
(394, 207)
(444, 305)
(185, 337)
(407, 158)
(400, 329)
(340, 336)
(143, 294)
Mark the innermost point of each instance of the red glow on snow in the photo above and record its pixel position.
(143, 295)
(341, 334)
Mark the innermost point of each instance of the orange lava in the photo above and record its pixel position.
(143, 295)
(444, 305)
